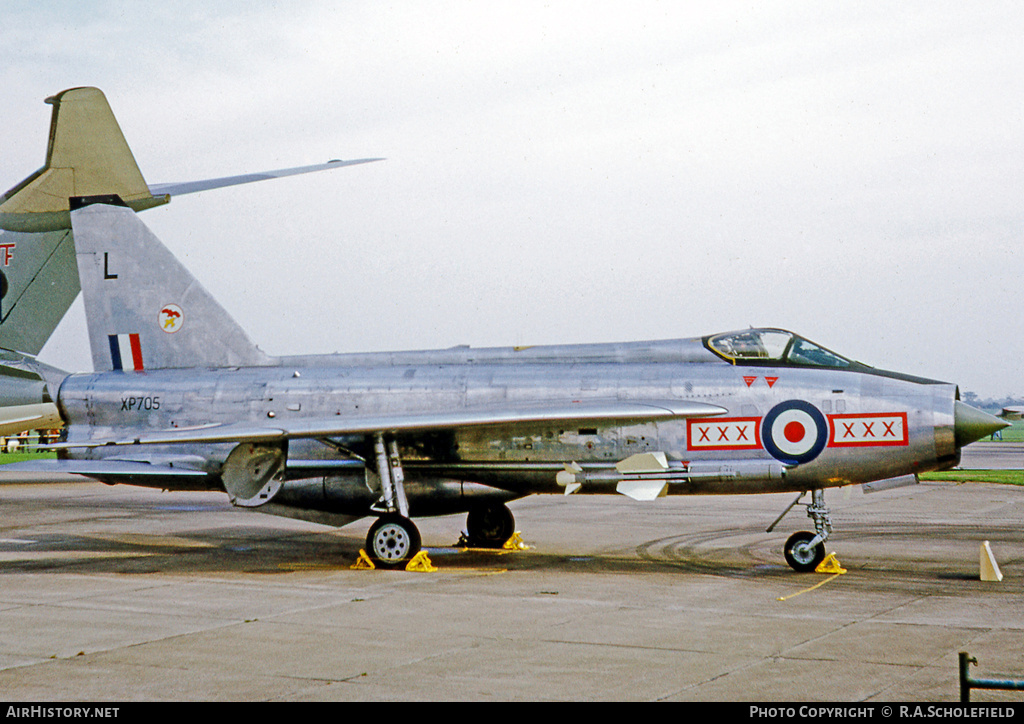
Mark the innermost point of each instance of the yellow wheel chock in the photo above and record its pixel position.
(830, 565)
(364, 563)
(515, 543)
(420, 563)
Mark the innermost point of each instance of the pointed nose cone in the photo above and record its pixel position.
(971, 424)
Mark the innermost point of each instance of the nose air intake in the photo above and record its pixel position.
(970, 424)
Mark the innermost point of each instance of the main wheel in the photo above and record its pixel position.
(490, 526)
(802, 557)
(392, 541)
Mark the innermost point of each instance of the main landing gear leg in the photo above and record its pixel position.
(805, 550)
(393, 540)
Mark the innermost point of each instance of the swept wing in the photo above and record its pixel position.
(608, 412)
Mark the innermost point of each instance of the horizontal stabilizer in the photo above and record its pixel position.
(88, 156)
(191, 187)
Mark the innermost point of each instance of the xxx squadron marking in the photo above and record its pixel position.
(737, 433)
(868, 430)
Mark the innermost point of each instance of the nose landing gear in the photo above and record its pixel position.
(805, 550)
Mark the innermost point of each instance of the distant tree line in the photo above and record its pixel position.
(990, 403)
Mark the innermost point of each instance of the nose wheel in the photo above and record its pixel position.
(802, 554)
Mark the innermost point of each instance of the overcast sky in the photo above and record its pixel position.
(568, 172)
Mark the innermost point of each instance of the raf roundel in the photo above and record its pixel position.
(794, 432)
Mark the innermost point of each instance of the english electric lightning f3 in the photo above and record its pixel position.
(182, 399)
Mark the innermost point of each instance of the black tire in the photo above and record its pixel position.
(392, 541)
(800, 557)
(490, 526)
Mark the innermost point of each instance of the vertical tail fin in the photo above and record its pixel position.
(144, 309)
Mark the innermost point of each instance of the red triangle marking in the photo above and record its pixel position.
(749, 380)
(771, 381)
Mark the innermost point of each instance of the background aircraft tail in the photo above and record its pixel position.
(144, 309)
(87, 155)
(38, 282)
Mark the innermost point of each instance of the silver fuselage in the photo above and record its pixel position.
(879, 425)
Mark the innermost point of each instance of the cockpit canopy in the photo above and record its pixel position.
(775, 347)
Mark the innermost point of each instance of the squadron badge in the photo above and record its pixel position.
(171, 318)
